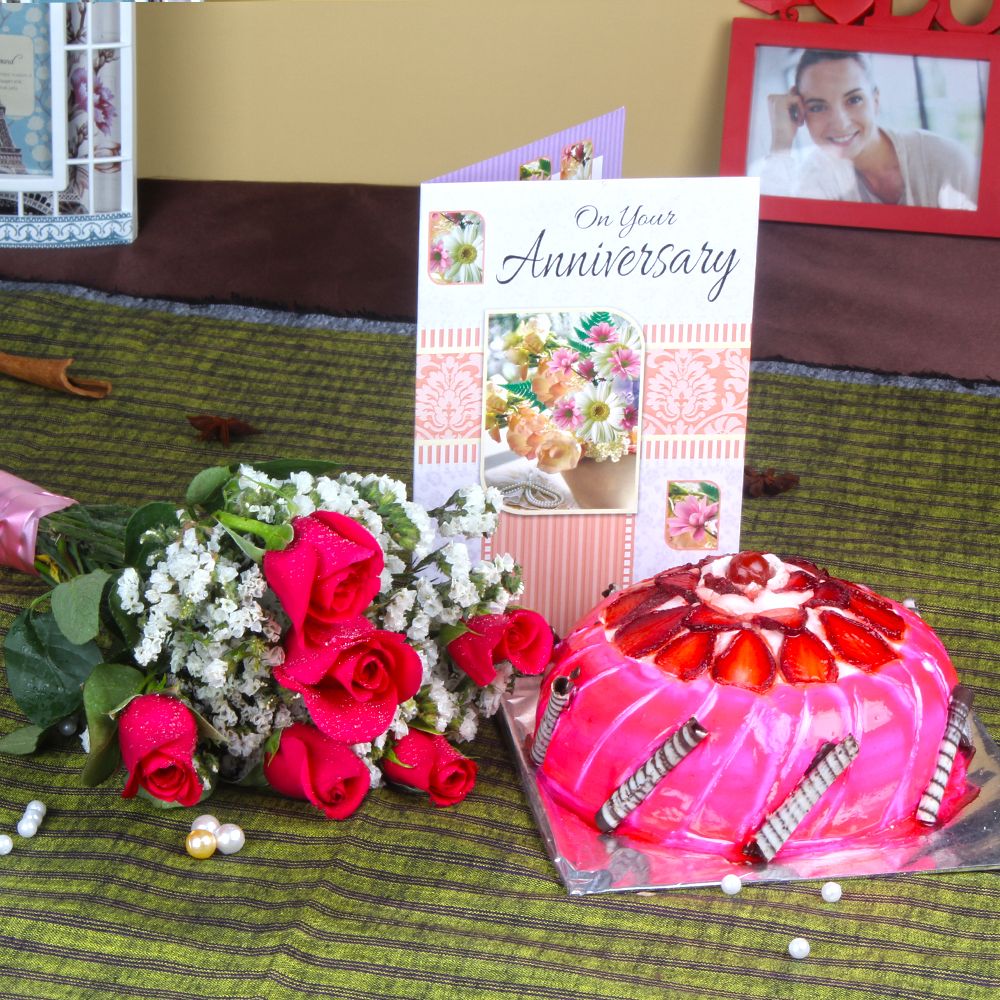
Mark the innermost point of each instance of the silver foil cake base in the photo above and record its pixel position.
(590, 862)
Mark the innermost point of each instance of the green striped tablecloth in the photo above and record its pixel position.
(900, 487)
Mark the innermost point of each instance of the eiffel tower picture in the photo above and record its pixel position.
(10, 155)
(32, 203)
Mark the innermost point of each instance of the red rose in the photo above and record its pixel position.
(309, 765)
(329, 573)
(434, 766)
(526, 641)
(521, 636)
(157, 735)
(473, 651)
(351, 677)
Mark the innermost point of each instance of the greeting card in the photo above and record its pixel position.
(584, 349)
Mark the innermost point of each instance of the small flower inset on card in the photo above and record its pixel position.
(455, 252)
(536, 170)
(577, 162)
(692, 514)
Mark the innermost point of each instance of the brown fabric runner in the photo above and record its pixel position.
(913, 303)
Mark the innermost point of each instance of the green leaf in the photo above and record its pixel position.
(711, 491)
(152, 515)
(76, 605)
(524, 391)
(424, 727)
(275, 536)
(247, 547)
(282, 468)
(391, 755)
(22, 741)
(596, 317)
(45, 671)
(205, 728)
(580, 346)
(254, 778)
(107, 688)
(272, 743)
(207, 486)
(449, 633)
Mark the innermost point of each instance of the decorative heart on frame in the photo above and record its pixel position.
(785, 9)
(843, 11)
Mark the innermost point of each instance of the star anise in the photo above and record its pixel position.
(224, 429)
(768, 483)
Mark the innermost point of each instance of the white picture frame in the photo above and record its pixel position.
(93, 202)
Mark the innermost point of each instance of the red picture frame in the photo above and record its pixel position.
(945, 83)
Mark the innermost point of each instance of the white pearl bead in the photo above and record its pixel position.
(731, 884)
(36, 805)
(798, 948)
(229, 838)
(6, 844)
(206, 822)
(27, 827)
(831, 892)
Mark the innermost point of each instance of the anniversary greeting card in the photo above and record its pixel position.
(585, 350)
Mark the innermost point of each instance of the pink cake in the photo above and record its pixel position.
(776, 661)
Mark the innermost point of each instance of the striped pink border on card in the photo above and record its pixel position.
(694, 446)
(452, 339)
(687, 334)
(448, 453)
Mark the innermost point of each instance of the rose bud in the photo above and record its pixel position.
(521, 636)
(157, 735)
(473, 651)
(309, 765)
(526, 641)
(431, 764)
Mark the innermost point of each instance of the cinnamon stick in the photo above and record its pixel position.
(52, 373)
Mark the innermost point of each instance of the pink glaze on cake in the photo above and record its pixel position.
(766, 715)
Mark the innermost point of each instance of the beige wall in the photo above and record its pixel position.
(397, 91)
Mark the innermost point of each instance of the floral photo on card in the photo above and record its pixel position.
(561, 410)
(577, 161)
(455, 253)
(692, 514)
(536, 170)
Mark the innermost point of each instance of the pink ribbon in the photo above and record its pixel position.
(22, 506)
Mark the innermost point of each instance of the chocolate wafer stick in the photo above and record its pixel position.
(559, 697)
(627, 796)
(955, 734)
(830, 762)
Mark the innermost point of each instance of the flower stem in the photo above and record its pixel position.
(275, 536)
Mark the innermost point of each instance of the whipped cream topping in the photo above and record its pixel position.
(755, 598)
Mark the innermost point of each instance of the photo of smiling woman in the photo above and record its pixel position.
(877, 128)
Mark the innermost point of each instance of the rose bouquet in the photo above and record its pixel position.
(285, 626)
(560, 392)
